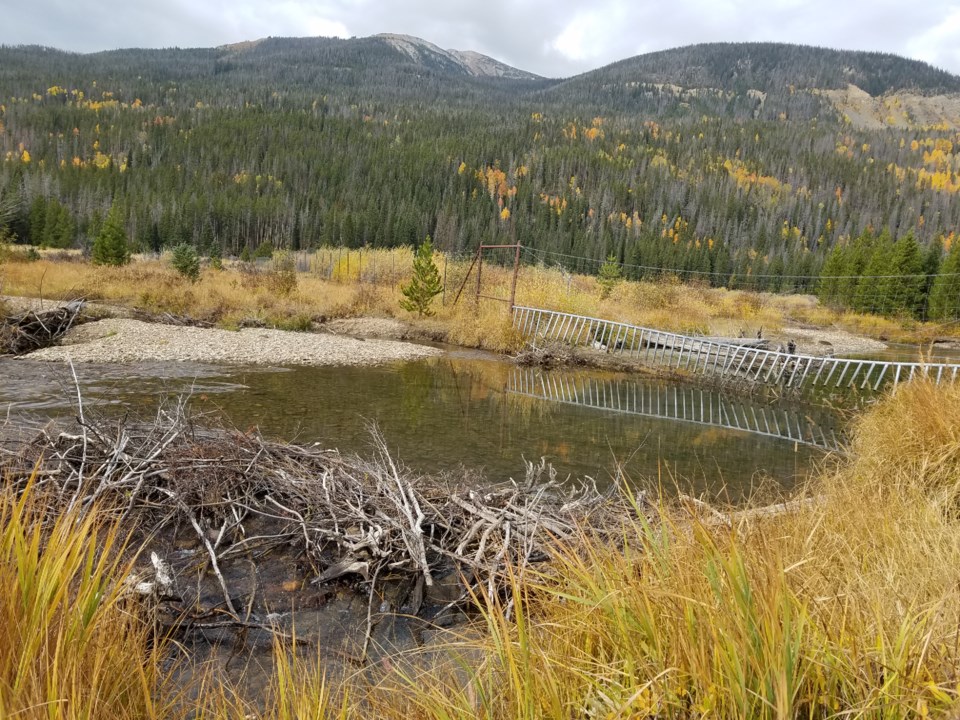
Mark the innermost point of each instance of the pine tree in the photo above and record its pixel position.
(186, 261)
(903, 290)
(945, 295)
(610, 274)
(871, 296)
(828, 289)
(110, 246)
(855, 260)
(425, 284)
(932, 258)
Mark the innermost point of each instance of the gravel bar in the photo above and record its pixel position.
(118, 340)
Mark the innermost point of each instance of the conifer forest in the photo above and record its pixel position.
(730, 165)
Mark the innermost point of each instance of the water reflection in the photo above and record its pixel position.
(808, 426)
(480, 413)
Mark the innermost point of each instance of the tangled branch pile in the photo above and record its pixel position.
(348, 515)
(21, 334)
(548, 354)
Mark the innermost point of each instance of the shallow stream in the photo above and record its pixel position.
(472, 410)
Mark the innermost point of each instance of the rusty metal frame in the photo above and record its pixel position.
(478, 261)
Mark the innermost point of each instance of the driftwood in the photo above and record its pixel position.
(368, 519)
(21, 334)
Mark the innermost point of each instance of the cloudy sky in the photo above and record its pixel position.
(557, 38)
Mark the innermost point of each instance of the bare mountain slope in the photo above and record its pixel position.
(470, 62)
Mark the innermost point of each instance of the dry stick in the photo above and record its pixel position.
(370, 623)
(414, 537)
(206, 543)
(298, 516)
(83, 426)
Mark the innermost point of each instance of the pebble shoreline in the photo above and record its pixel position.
(116, 340)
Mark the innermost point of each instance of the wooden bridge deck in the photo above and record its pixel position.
(707, 356)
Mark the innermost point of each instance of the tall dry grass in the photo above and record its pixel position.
(72, 645)
(845, 603)
(367, 283)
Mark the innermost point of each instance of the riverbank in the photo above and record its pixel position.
(803, 609)
(244, 295)
(119, 336)
(123, 340)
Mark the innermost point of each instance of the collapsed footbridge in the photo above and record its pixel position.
(722, 358)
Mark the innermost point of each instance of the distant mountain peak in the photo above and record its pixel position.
(470, 62)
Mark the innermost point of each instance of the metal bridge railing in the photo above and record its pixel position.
(724, 359)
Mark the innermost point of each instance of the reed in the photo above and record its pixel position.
(72, 641)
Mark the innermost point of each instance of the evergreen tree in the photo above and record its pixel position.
(828, 290)
(932, 259)
(216, 258)
(58, 228)
(37, 219)
(855, 263)
(871, 294)
(186, 261)
(945, 294)
(425, 284)
(610, 274)
(110, 246)
(903, 289)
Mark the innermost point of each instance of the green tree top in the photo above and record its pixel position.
(610, 274)
(425, 284)
(110, 246)
(186, 261)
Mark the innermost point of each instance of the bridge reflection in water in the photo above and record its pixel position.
(815, 427)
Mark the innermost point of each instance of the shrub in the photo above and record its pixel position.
(283, 278)
(264, 250)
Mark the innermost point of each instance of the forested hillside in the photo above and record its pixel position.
(724, 159)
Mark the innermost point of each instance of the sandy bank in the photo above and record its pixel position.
(122, 340)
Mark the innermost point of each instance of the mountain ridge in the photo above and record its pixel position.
(754, 160)
(722, 65)
(472, 62)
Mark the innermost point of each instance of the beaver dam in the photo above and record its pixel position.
(246, 541)
(474, 411)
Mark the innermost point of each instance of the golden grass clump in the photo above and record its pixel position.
(489, 327)
(71, 642)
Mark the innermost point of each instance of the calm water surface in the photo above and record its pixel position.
(461, 409)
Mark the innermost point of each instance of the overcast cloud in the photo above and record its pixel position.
(556, 39)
